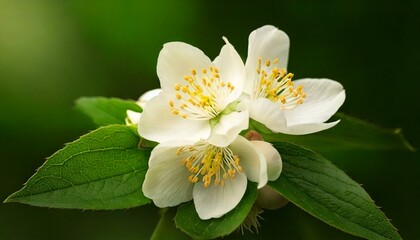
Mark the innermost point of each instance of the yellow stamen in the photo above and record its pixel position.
(276, 85)
(199, 97)
(210, 164)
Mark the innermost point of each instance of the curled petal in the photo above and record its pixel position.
(228, 128)
(216, 201)
(324, 98)
(251, 159)
(176, 60)
(158, 124)
(272, 157)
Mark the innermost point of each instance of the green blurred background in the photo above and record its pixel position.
(52, 52)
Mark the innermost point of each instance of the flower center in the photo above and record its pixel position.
(276, 84)
(202, 96)
(209, 163)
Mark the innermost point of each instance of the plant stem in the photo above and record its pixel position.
(166, 229)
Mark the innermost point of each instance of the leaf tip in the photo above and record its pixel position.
(9, 199)
(78, 101)
(407, 144)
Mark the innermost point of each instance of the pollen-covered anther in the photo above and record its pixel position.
(210, 164)
(202, 95)
(175, 112)
(193, 179)
(276, 85)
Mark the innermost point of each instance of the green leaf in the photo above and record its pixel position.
(317, 186)
(351, 133)
(103, 169)
(106, 111)
(188, 220)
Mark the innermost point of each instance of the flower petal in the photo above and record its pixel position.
(145, 97)
(166, 183)
(158, 124)
(132, 117)
(267, 43)
(251, 159)
(215, 201)
(324, 98)
(228, 128)
(309, 128)
(176, 60)
(268, 113)
(272, 158)
(164, 150)
(232, 70)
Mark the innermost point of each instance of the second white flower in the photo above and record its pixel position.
(199, 98)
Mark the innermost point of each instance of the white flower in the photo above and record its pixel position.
(133, 117)
(282, 105)
(214, 177)
(199, 98)
(145, 97)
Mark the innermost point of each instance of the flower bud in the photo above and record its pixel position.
(270, 199)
